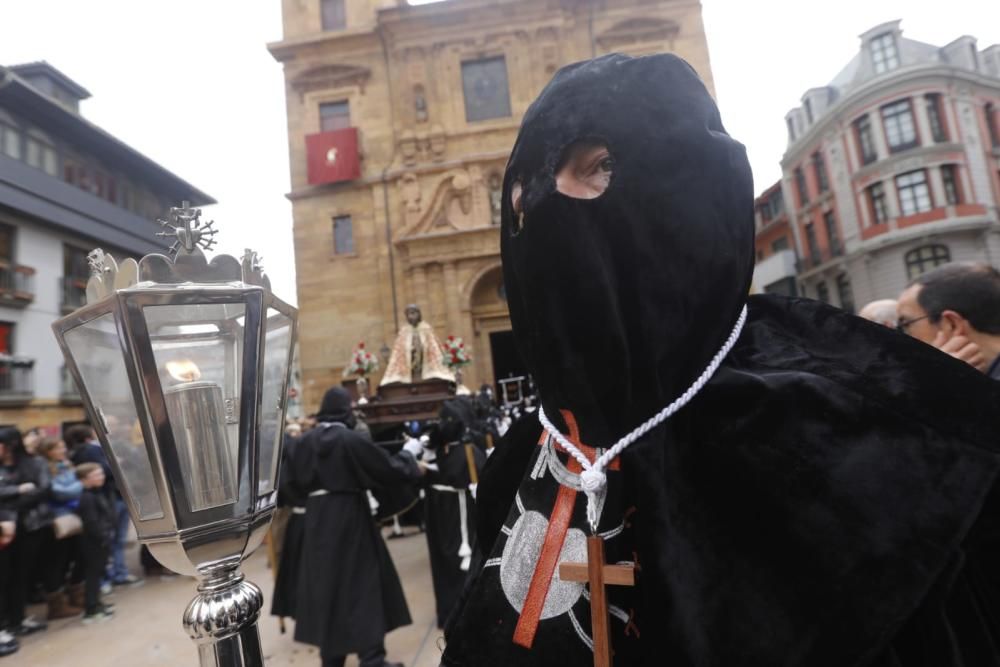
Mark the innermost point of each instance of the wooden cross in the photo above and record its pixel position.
(598, 575)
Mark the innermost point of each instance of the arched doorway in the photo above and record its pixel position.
(496, 353)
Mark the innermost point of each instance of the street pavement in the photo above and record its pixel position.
(146, 629)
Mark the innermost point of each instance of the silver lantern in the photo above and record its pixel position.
(183, 366)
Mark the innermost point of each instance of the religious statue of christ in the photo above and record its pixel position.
(416, 354)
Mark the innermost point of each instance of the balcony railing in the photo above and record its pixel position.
(68, 392)
(17, 379)
(818, 257)
(17, 284)
(74, 293)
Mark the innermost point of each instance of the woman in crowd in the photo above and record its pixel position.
(25, 484)
(65, 548)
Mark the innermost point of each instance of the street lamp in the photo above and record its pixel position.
(183, 367)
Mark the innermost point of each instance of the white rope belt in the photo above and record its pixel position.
(318, 492)
(298, 510)
(593, 478)
(464, 551)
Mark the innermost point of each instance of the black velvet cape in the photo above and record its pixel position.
(349, 594)
(291, 495)
(827, 499)
(443, 514)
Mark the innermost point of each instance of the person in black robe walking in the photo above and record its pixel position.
(294, 497)
(793, 486)
(450, 508)
(349, 595)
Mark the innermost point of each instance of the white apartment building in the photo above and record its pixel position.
(894, 167)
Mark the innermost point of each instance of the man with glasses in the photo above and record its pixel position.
(956, 308)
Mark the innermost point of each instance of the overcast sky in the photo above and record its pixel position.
(191, 85)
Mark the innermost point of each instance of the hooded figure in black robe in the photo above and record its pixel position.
(293, 496)
(450, 509)
(349, 595)
(826, 499)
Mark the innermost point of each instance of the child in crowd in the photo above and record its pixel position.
(98, 534)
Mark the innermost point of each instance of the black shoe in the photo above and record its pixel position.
(30, 625)
(8, 643)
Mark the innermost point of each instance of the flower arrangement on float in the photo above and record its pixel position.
(455, 354)
(363, 363)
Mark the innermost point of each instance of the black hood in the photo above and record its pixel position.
(336, 407)
(456, 416)
(619, 302)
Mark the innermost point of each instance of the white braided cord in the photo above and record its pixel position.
(593, 478)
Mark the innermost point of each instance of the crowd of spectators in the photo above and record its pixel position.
(63, 527)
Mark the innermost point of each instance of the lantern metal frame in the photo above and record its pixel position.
(211, 542)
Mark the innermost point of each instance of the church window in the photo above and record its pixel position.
(334, 116)
(343, 235)
(900, 130)
(484, 83)
(914, 194)
(885, 57)
(923, 259)
(334, 14)
(863, 128)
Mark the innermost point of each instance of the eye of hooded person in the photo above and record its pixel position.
(585, 169)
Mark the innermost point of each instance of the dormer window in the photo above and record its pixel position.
(885, 57)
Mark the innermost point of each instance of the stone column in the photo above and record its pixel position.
(419, 282)
(451, 296)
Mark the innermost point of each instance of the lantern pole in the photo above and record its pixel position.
(199, 504)
(222, 620)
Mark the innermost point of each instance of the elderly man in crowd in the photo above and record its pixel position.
(956, 308)
(881, 312)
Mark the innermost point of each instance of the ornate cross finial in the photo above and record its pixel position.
(187, 229)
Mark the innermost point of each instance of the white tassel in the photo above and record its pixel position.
(464, 551)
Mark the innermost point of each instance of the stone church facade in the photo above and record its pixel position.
(400, 122)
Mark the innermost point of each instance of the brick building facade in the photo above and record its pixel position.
(431, 96)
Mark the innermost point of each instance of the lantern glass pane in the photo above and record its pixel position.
(198, 349)
(277, 344)
(98, 356)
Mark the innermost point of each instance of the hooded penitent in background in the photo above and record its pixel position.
(349, 595)
(824, 498)
(294, 497)
(450, 510)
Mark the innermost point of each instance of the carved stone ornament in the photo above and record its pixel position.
(187, 263)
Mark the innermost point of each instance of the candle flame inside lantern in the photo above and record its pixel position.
(183, 370)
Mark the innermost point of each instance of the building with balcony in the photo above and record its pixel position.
(66, 187)
(400, 122)
(894, 167)
(777, 261)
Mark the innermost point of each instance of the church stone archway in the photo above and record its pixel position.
(496, 356)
